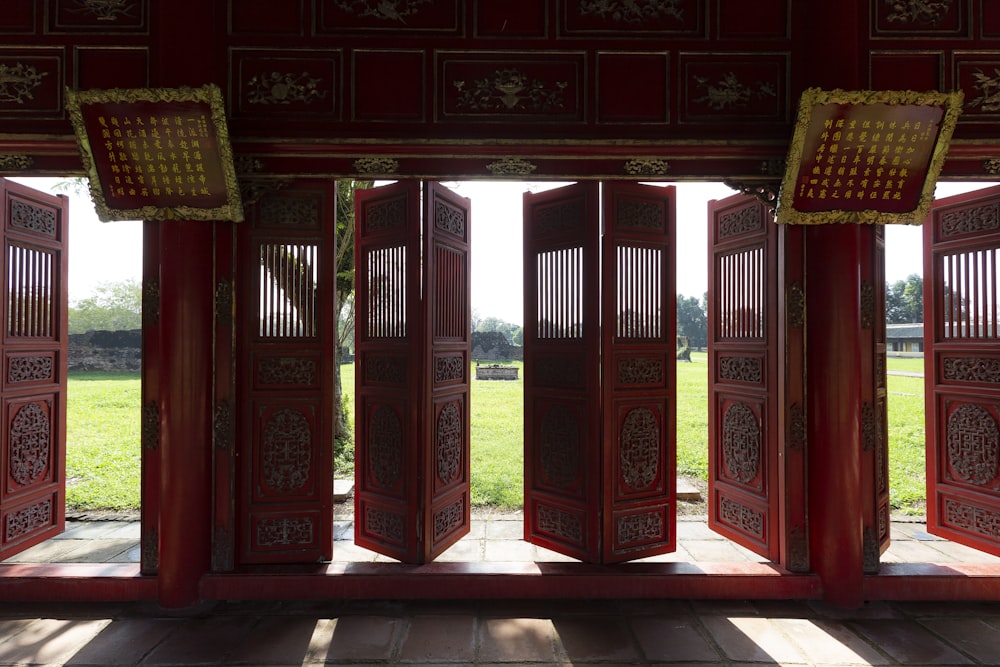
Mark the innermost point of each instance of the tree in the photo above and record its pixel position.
(904, 300)
(692, 320)
(343, 306)
(114, 306)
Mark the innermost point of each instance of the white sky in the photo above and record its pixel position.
(112, 251)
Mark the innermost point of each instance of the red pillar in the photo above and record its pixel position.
(186, 327)
(833, 362)
(833, 34)
(186, 321)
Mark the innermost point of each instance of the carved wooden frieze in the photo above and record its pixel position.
(384, 214)
(449, 369)
(560, 444)
(26, 520)
(31, 82)
(972, 442)
(9, 162)
(385, 447)
(747, 370)
(99, 16)
(511, 167)
(642, 214)
(634, 371)
(387, 525)
(954, 224)
(29, 446)
(634, 19)
(639, 449)
(508, 87)
(286, 452)
(640, 528)
(449, 219)
(449, 440)
(29, 217)
(30, 368)
(384, 370)
(742, 444)
(646, 167)
(978, 76)
(287, 82)
(299, 210)
(562, 372)
(559, 216)
(287, 371)
(449, 518)
(560, 524)
(971, 519)
(742, 517)
(378, 17)
(971, 369)
(918, 18)
(735, 87)
(273, 532)
(740, 221)
(150, 428)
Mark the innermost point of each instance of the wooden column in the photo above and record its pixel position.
(834, 256)
(186, 329)
(186, 321)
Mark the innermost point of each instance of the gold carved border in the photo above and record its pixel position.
(811, 97)
(208, 94)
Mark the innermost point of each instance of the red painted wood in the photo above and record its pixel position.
(33, 349)
(447, 352)
(285, 274)
(833, 361)
(225, 401)
(743, 369)
(153, 363)
(186, 321)
(874, 408)
(389, 355)
(793, 517)
(562, 396)
(638, 372)
(962, 383)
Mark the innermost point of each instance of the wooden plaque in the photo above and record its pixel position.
(866, 156)
(156, 153)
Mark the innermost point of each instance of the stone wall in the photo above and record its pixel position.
(109, 351)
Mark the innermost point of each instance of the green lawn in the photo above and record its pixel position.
(103, 459)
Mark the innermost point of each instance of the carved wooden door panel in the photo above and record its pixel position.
(743, 363)
(638, 353)
(285, 277)
(32, 452)
(412, 336)
(962, 368)
(562, 397)
(874, 411)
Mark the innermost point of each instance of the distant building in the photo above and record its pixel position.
(905, 337)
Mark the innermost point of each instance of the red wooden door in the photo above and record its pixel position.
(33, 387)
(743, 370)
(962, 371)
(638, 305)
(874, 410)
(412, 337)
(285, 279)
(598, 401)
(562, 396)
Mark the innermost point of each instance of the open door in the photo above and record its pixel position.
(412, 337)
(33, 388)
(962, 368)
(284, 447)
(743, 371)
(599, 409)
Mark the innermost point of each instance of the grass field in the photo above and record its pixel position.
(103, 436)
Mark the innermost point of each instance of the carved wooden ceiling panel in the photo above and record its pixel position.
(656, 88)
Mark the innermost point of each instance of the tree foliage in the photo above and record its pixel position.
(904, 300)
(114, 306)
(692, 320)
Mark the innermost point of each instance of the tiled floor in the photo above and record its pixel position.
(498, 632)
(494, 537)
(495, 633)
